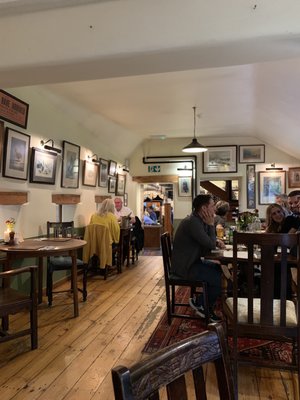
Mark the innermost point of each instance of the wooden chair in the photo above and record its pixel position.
(13, 301)
(167, 368)
(98, 253)
(258, 314)
(60, 263)
(171, 283)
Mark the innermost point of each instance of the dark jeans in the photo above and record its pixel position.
(209, 272)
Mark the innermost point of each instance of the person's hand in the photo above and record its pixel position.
(220, 244)
(207, 215)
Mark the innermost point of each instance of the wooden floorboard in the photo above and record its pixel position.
(75, 355)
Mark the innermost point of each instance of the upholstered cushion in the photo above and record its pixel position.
(64, 261)
(291, 317)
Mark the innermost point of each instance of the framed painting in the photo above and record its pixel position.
(112, 185)
(184, 186)
(125, 199)
(219, 159)
(13, 109)
(120, 186)
(70, 165)
(43, 166)
(103, 173)
(251, 191)
(271, 183)
(16, 154)
(112, 169)
(1, 143)
(294, 177)
(90, 173)
(252, 153)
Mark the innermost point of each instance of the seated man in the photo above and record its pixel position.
(122, 211)
(195, 237)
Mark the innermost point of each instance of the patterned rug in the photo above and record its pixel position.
(165, 335)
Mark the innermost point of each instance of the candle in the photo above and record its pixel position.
(6, 236)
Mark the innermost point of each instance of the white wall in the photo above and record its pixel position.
(48, 120)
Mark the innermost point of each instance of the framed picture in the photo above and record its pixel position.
(70, 165)
(112, 185)
(13, 109)
(219, 159)
(125, 199)
(184, 186)
(43, 166)
(294, 177)
(251, 192)
(90, 173)
(112, 169)
(271, 183)
(1, 142)
(16, 154)
(120, 187)
(103, 173)
(252, 153)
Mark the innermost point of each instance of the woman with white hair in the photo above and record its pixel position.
(106, 216)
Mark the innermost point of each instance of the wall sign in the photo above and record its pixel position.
(153, 168)
(13, 109)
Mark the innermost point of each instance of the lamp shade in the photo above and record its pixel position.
(147, 200)
(157, 198)
(194, 147)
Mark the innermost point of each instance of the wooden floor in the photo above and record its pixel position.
(75, 355)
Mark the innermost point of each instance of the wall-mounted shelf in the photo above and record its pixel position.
(100, 199)
(66, 198)
(13, 198)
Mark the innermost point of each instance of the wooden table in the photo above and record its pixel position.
(41, 248)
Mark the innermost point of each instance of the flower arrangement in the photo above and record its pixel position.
(10, 224)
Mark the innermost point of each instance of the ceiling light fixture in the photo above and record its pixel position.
(274, 168)
(51, 148)
(195, 146)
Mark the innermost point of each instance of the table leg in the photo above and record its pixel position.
(40, 279)
(74, 282)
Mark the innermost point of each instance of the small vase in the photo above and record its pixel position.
(11, 238)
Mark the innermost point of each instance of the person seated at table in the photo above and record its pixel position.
(152, 214)
(222, 208)
(122, 211)
(106, 216)
(148, 221)
(294, 202)
(195, 237)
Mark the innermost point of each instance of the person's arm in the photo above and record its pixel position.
(203, 234)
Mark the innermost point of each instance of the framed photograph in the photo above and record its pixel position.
(1, 142)
(112, 169)
(220, 159)
(271, 183)
(112, 185)
(16, 154)
(70, 165)
(184, 186)
(251, 191)
(90, 173)
(252, 153)
(13, 109)
(103, 173)
(43, 166)
(120, 187)
(294, 177)
(125, 199)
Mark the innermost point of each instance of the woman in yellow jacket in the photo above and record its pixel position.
(105, 216)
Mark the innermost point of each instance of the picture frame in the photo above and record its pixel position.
(43, 166)
(2, 132)
(220, 159)
(90, 173)
(252, 153)
(112, 169)
(125, 199)
(294, 177)
(70, 165)
(184, 186)
(270, 184)
(103, 173)
(251, 186)
(112, 184)
(13, 109)
(16, 154)
(120, 185)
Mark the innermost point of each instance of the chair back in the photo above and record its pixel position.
(98, 240)
(166, 247)
(60, 229)
(166, 368)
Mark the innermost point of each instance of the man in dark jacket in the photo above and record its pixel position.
(195, 237)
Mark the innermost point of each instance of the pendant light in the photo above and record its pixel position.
(195, 146)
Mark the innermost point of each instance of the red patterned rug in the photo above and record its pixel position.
(165, 335)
